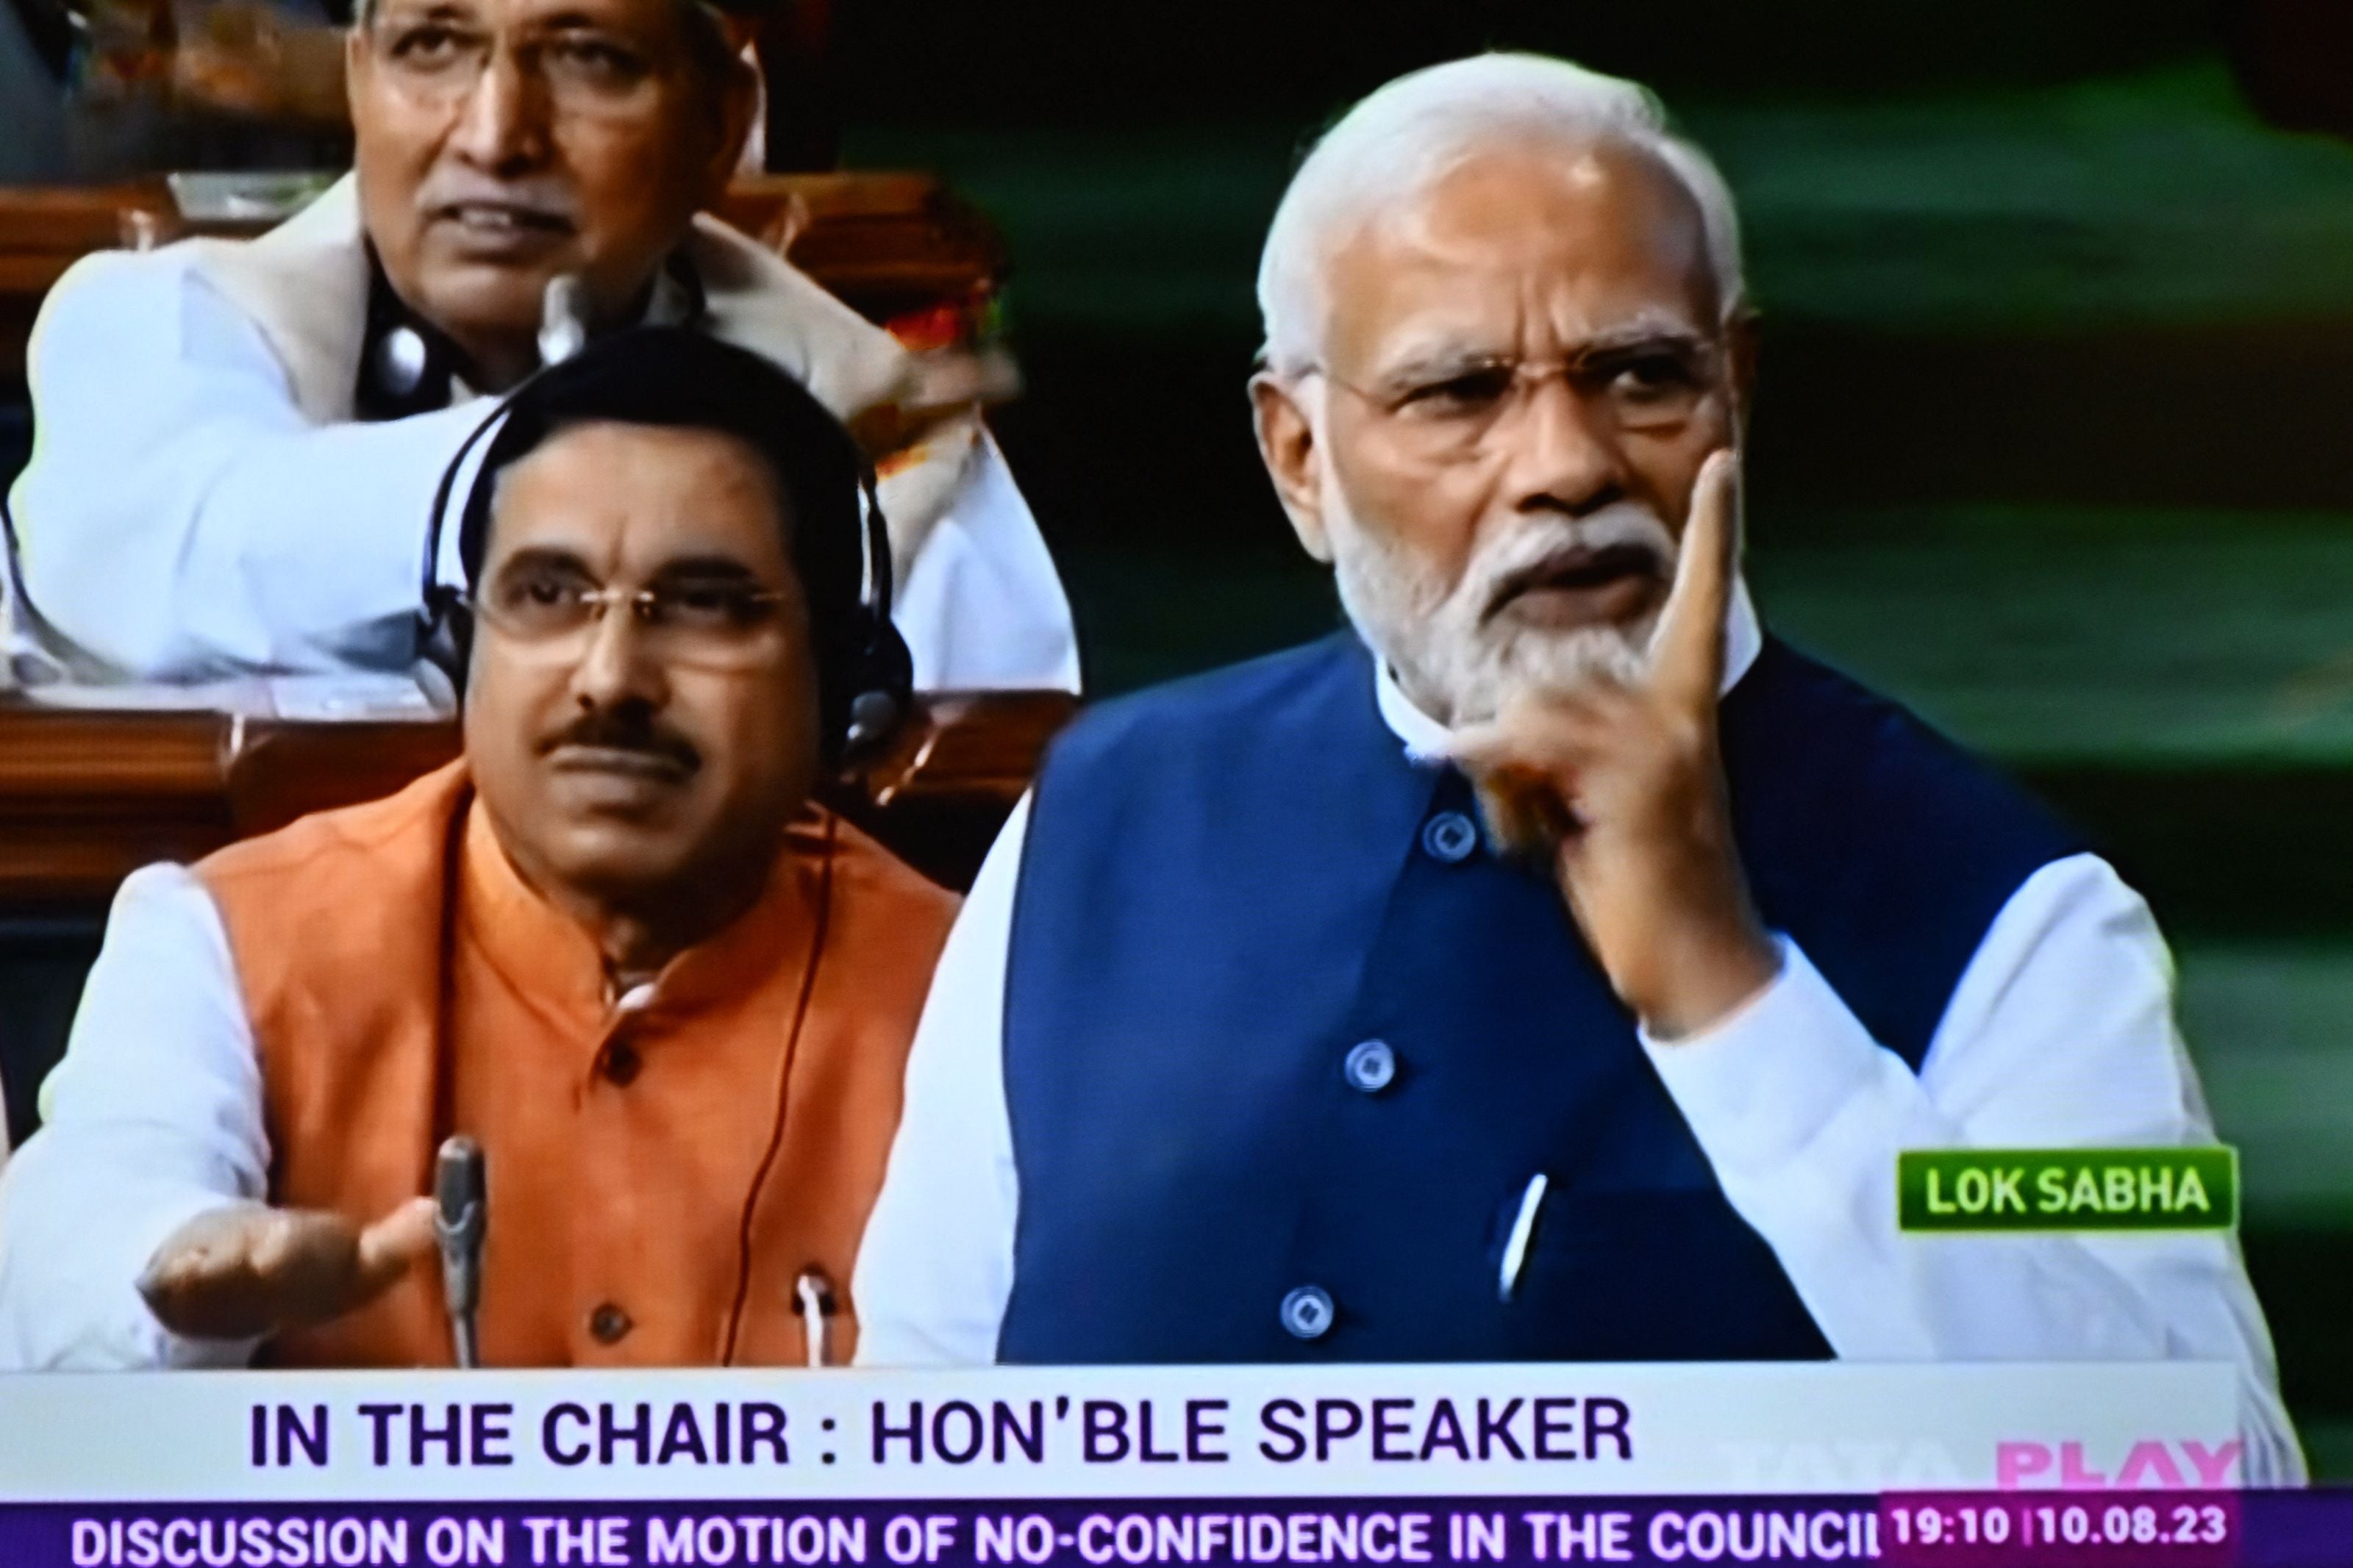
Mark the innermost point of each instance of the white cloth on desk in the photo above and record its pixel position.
(2060, 1034)
(200, 502)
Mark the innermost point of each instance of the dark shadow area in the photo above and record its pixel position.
(2248, 415)
(2299, 1275)
(43, 960)
(1048, 62)
(2223, 851)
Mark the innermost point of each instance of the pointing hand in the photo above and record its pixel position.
(1624, 785)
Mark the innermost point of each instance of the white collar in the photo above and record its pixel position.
(1426, 737)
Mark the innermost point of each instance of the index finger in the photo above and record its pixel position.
(1687, 649)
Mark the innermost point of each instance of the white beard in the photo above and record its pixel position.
(1435, 635)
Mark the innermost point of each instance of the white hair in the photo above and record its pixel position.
(1408, 135)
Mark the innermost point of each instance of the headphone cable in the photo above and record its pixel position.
(784, 1092)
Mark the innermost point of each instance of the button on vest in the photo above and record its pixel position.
(1451, 836)
(608, 1324)
(1307, 1312)
(1370, 1067)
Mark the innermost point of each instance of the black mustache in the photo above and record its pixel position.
(619, 730)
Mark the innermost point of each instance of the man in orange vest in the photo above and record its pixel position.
(616, 944)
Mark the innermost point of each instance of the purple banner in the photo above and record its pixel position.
(1092, 1535)
(1975, 1529)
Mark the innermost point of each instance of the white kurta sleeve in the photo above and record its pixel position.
(936, 1266)
(2060, 1034)
(982, 608)
(180, 518)
(154, 1116)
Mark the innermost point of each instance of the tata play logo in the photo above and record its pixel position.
(2151, 1464)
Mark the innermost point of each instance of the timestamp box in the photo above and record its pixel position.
(2060, 1530)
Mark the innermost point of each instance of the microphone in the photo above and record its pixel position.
(563, 318)
(461, 1216)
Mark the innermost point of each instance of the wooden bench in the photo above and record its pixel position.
(87, 796)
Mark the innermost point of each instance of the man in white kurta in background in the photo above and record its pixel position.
(236, 443)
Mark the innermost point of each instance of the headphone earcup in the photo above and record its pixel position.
(881, 679)
(445, 640)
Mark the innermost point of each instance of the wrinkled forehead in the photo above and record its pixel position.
(634, 499)
(1522, 251)
(646, 19)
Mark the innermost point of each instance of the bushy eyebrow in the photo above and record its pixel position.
(556, 561)
(1646, 335)
(1435, 362)
(573, 21)
(705, 569)
(390, 11)
(545, 558)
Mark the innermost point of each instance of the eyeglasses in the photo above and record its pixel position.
(1652, 387)
(702, 625)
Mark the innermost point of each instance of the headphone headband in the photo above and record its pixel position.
(878, 686)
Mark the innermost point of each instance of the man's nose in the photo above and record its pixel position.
(502, 125)
(1566, 454)
(620, 664)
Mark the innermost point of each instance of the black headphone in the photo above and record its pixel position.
(865, 674)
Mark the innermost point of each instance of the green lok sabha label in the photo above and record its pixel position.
(2067, 1189)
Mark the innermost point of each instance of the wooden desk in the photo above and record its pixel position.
(88, 797)
(889, 244)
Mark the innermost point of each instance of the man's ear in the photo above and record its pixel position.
(738, 103)
(1740, 346)
(355, 64)
(1286, 443)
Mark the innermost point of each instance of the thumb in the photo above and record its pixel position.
(388, 1248)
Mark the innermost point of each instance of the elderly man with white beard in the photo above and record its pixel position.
(1552, 965)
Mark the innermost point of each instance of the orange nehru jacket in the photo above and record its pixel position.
(663, 1167)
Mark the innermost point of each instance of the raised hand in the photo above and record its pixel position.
(1623, 785)
(245, 1271)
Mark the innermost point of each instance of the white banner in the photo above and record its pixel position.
(1102, 1432)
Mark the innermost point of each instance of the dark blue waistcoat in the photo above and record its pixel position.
(1230, 882)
